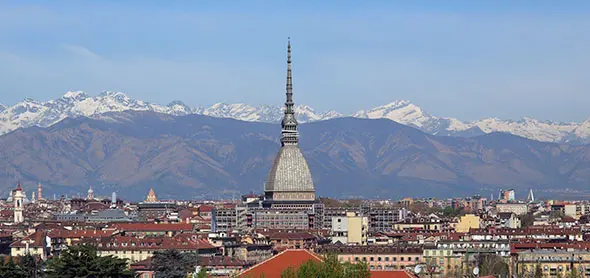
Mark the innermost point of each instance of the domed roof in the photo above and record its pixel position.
(289, 172)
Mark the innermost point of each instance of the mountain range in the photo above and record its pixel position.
(198, 156)
(29, 112)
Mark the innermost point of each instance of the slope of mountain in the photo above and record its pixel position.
(73, 104)
(195, 155)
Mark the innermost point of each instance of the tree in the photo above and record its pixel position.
(83, 262)
(31, 266)
(11, 269)
(490, 264)
(330, 267)
(202, 273)
(173, 264)
(538, 271)
(526, 220)
(573, 274)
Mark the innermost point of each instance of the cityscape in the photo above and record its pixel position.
(437, 198)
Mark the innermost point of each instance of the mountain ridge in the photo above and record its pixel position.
(198, 156)
(30, 112)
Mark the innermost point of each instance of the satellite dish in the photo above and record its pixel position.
(476, 271)
(418, 269)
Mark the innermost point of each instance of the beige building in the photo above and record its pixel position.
(384, 257)
(350, 229)
(34, 244)
(516, 208)
(442, 263)
(467, 222)
(422, 223)
(553, 263)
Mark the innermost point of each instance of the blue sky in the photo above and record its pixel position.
(464, 59)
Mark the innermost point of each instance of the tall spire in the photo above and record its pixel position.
(289, 134)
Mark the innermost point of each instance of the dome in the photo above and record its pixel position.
(289, 172)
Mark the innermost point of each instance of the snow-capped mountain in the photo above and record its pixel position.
(30, 112)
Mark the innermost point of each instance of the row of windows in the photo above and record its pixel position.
(386, 259)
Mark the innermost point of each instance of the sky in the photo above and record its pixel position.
(462, 59)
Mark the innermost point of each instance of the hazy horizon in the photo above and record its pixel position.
(455, 59)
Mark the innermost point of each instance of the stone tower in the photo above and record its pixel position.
(289, 179)
(17, 197)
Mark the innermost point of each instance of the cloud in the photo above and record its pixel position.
(456, 64)
(81, 51)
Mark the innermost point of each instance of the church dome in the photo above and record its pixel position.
(289, 172)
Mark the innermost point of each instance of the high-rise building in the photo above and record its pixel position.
(39, 192)
(17, 198)
(151, 197)
(289, 180)
(289, 194)
(90, 195)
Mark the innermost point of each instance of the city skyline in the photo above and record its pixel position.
(468, 61)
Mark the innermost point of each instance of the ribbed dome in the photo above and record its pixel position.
(289, 172)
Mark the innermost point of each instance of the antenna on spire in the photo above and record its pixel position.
(289, 134)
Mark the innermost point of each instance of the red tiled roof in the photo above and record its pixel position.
(36, 239)
(142, 265)
(273, 267)
(392, 274)
(205, 208)
(292, 236)
(155, 243)
(151, 227)
(88, 233)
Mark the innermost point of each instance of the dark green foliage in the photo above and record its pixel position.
(526, 220)
(538, 271)
(31, 266)
(173, 264)
(451, 212)
(202, 273)
(492, 265)
(25, 267)
(83, 262)
(573, 274)
(330, 267)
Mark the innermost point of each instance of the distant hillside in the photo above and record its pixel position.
(193, 156)
(30, 112)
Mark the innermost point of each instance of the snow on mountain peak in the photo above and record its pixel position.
(30, 112)
(401, 111)
(74, 95)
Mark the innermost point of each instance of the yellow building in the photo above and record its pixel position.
(422, 223)
(358, 227)
(442, 263)
(33, 244)
(467, 222)
(554, 263)
(350, 229)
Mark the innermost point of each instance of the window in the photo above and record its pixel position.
(387, 259)
(371, 259)
(401, 259)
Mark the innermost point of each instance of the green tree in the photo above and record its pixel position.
(490, 264)
(11, 269)
(83, 262)
(526, 220)
(573, 274)
(202, 273)
(31, 266)
(538, 271)
(289, 273)
(329, 267)
(173, 264)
